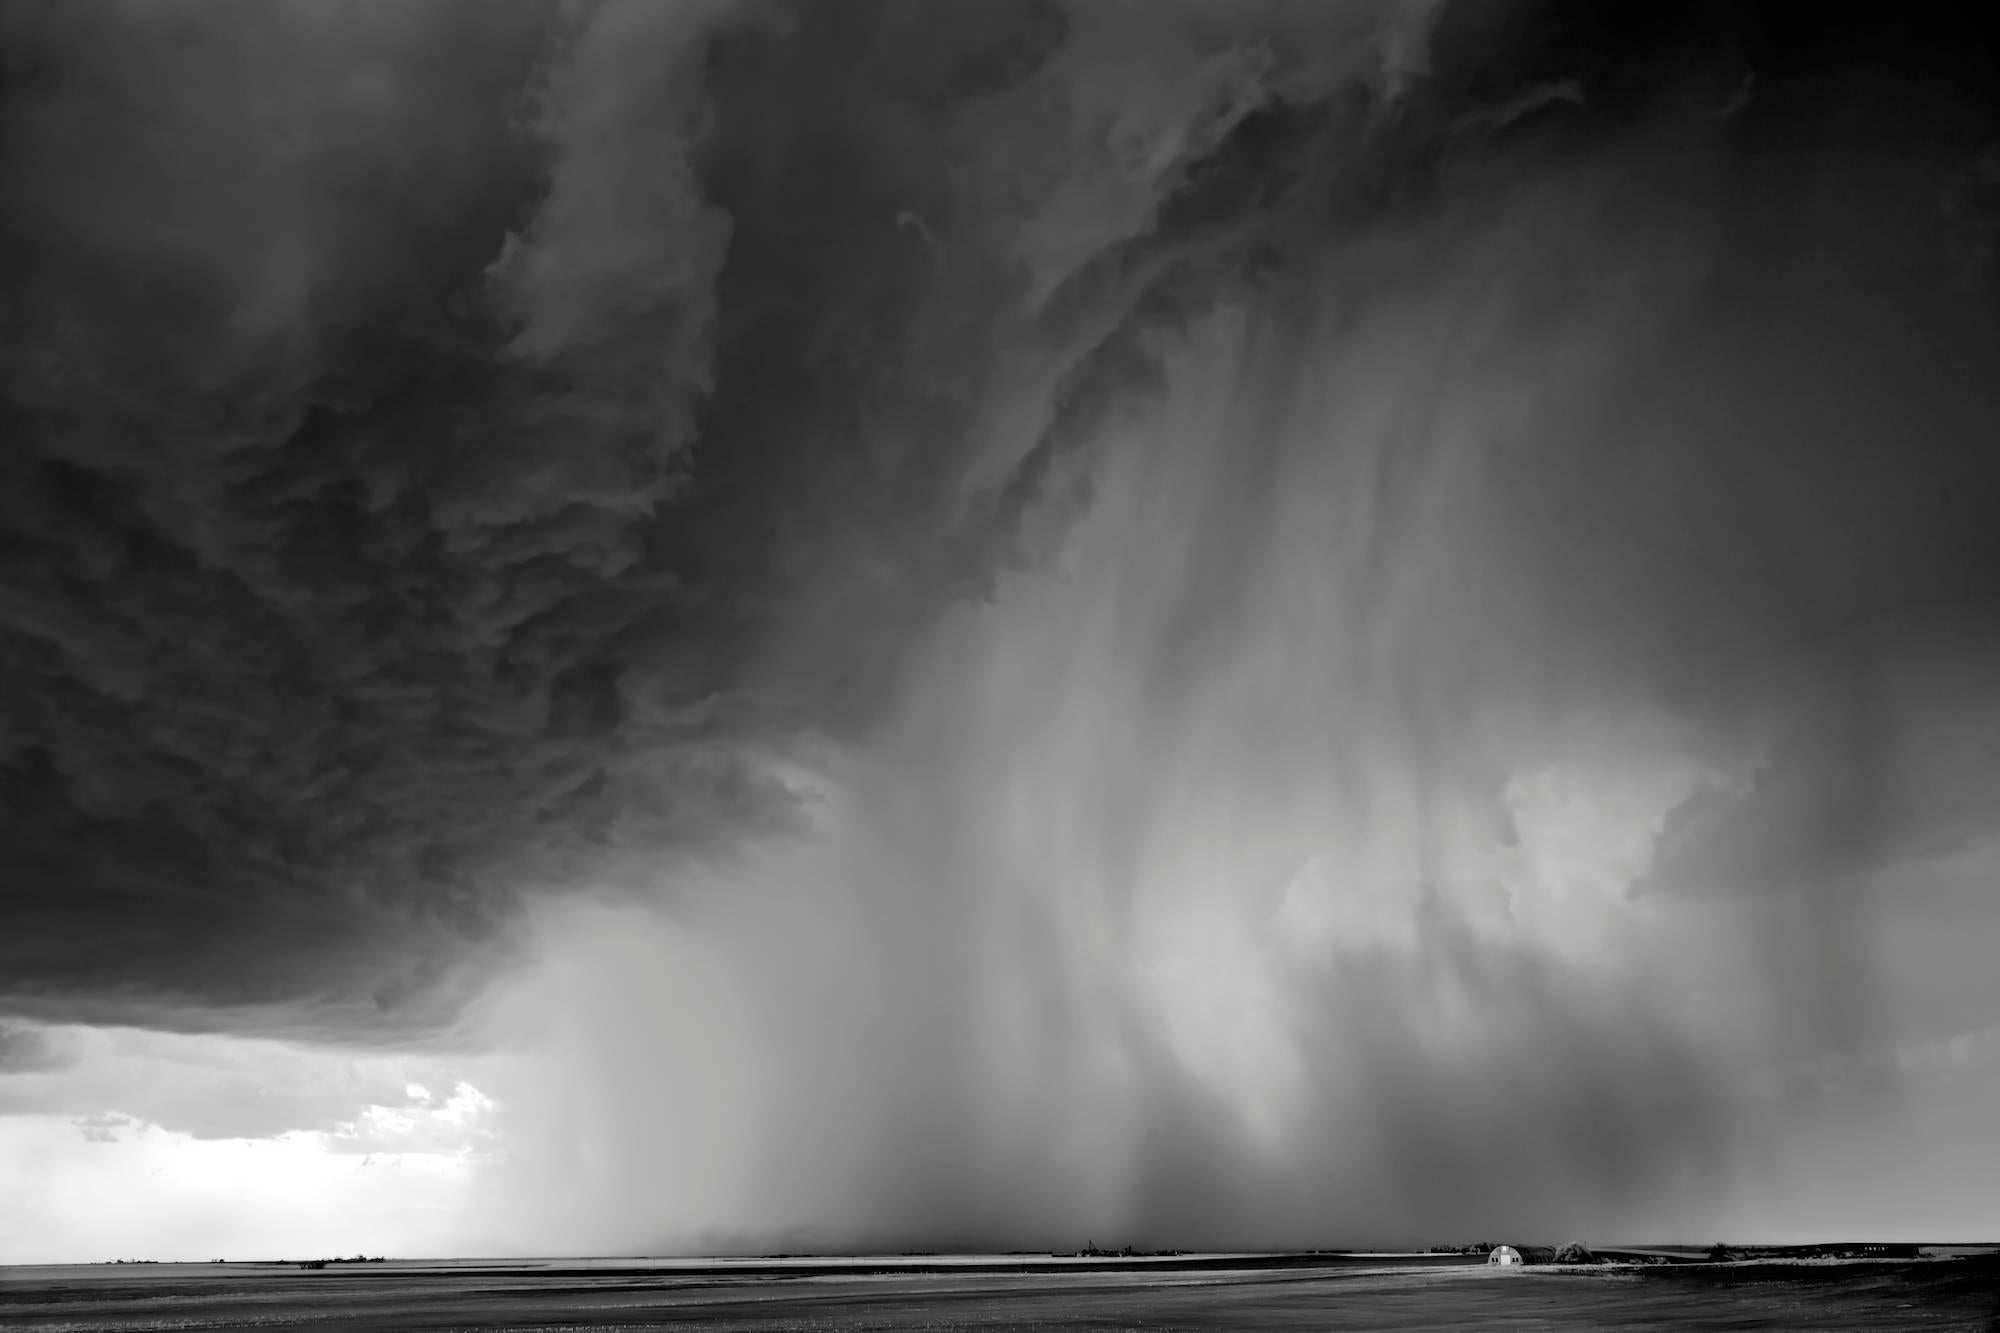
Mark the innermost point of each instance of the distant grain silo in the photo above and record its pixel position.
(1504, 1254)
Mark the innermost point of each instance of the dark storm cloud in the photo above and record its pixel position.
(351, 376)
(446, 439)
(424, 418)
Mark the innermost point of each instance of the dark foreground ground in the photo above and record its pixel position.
(1277, 1292)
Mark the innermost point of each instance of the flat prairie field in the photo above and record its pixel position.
(1319, 1291)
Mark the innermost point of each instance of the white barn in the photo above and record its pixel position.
(1504, 1254)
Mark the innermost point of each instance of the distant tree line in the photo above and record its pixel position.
(357, 1259)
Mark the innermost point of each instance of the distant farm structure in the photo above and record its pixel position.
(1504, 1254)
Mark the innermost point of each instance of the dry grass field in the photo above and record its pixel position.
(1272, 1292)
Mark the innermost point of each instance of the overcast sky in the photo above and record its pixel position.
(715, 625)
